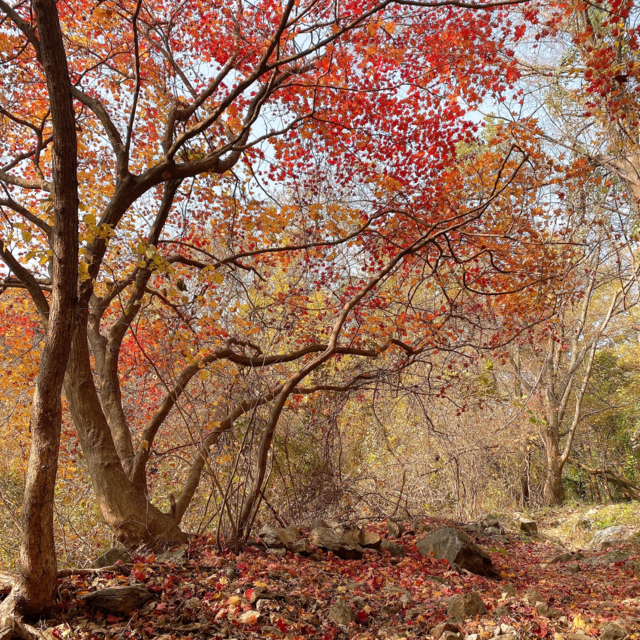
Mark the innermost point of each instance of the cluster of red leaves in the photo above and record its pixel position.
(196, 599)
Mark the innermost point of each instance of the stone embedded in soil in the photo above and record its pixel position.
(609, 537)
(394, 528)
(533, 596)
(118, 600)
(457, 548)
(302, 547)
(529, 527)
(111, 557)
(547, 611)
(438, 630)
(508, 590)
(468, 605)
(179, 556)
(394, 549)
(341, 613)
(275, 538)
(611, 557)
(328, 539)
(613, 632)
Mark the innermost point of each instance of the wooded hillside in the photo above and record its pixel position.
(264, 264)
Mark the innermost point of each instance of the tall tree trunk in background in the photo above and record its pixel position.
(553, 491)
(36, 587)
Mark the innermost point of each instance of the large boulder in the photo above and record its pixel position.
(275, 538)
(328, 539)
(118, 600)
(611, 557)
(609, 537)
(456, 547)
(270, 537)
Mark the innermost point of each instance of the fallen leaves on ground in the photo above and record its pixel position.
(291, 596)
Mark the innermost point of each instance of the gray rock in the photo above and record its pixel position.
(611, 557)
(547, 611)
(270, 536)
(509, 590)
(529, 527)
(501, 612)
(319, 524)
(302, 547)
(309, 618)
(443, 627)
(179, 556)
(574, 568)
(493, 531)
(111, 557)
(420, 526)
(231, 573)
(359, 602)
(341, 612)
(279, 552)
(532, 597)
(609, 537)
(633, 566)
(413, 613)
(328, 539)
(289, 535)
(276, 538)
(504, 630)
(371, 540)
(262, 593)
(354, 536)
(405, 599)
(394, 549)
(118, 600)
(394, 528)
(562, 557)
(466, 606)
(457, 548)
(490, 522)
(613, 632)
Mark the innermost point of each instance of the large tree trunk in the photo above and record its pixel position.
(35, 591)
(553, 492)
(124, 505)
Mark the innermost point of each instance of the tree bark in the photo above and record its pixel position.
(124, 505)
(35, 590)
(553, 492)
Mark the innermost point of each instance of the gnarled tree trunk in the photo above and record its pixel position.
(124, 505)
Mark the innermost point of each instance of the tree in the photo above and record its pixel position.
(176, 109)
(603, 293)
(36, 587)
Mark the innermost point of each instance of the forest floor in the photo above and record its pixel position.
(203, 593)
